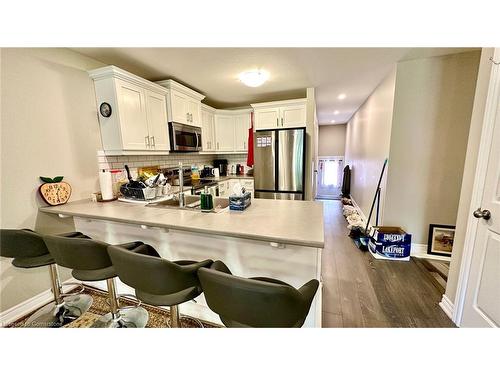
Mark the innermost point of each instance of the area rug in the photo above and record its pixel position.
(158, 317)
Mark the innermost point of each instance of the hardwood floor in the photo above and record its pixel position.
(360, 291)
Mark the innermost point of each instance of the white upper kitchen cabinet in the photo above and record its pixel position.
(241, 126)
(156, 105)
(183, 104)
(224, 132)
(267, 118)
(231, 130)
(280, 114)
(208, 128)
(137, 123)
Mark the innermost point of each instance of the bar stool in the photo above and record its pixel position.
(157, 281)
(257, 301)
(90, 261)
(29, 251)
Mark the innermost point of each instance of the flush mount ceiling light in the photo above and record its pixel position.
(341, 96)
(336, 112)
(333, 121)
(254, 78)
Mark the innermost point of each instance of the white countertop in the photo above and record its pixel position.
(282, 221)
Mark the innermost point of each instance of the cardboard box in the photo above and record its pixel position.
(390, 243)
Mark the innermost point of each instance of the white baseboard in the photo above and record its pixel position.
(419, 250)
(31, 304)
(447, 306)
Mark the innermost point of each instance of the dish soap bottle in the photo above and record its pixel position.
(207, 203)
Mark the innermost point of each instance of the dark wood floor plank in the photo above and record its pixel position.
(360, 291)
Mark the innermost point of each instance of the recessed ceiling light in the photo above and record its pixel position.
(333, 121)
(336, 112)
(254, 78)
(341, 96)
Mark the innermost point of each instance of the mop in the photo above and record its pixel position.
(361, 238)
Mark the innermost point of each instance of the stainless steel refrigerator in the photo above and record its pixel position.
(279, 160)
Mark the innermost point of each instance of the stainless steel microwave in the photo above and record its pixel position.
(184, 137)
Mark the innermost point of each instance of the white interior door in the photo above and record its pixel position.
(329, 181)
(481, 306)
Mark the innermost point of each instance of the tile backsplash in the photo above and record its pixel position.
(164, 161)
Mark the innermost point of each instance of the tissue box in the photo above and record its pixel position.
(240, 202)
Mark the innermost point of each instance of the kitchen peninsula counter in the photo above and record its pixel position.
(280, 221)
(271, 238)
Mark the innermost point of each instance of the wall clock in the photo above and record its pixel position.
(55, 191)
(105, 109)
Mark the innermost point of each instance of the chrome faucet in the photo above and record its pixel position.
(182, 199)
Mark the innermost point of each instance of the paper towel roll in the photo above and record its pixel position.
(106, 184)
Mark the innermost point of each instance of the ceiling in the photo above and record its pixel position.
(355, 72)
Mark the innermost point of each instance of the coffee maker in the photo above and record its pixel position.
(222, 165)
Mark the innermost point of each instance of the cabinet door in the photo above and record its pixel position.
(179, 107)
(293, 116)
(241, 126)
(207, 130)
(224, 133)
(133, 117)
(267, 118)
(194, 109)
(156, 105)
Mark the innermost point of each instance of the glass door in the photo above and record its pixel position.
(329, 183)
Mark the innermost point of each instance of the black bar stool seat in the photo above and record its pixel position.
(28, 250)
(156, 280)
(89, 261)
(257, 301)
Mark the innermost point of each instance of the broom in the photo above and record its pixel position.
(361, 242)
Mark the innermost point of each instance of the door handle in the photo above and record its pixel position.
(482, 214)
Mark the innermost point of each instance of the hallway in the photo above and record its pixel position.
(360, 291)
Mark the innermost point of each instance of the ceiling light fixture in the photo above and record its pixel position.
(254, 78)
(336, 112)
(341, 96)
(333, 121)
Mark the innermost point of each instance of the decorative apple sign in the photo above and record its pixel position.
(54, 191)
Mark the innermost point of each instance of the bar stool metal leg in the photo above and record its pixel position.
(126, 317)
(63, 310)
(176, 318)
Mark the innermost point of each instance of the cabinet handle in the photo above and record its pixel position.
(146, 140)
(187, 116)
(282, 121)
(277, 123)
(217, 145)
(153, 143)
(244, 145)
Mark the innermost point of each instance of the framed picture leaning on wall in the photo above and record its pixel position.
(441, 239)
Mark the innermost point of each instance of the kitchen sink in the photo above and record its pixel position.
(193, 203)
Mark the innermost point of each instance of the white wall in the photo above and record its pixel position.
(367, 143)
(430, 126)
(332, 140)
(49, 127)
(464, 209)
